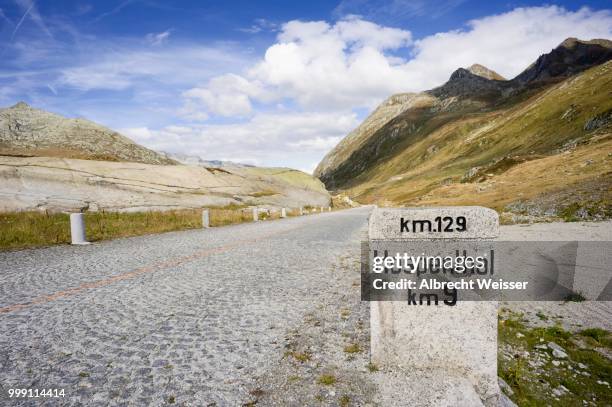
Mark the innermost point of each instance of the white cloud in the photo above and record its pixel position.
(355, 63)
(317, 64)
(507, 43)
(286, 106)
(396, 10)
(225, 95)
(158, 38)
(122, 67)
(270, 139)
(31, 12)
(317, 143)
(137, 133)
(260, 25)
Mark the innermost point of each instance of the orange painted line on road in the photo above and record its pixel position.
(135, 273)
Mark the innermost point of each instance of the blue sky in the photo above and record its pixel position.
(270, 83)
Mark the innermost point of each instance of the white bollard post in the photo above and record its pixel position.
(329, 209)
(77, 229)
(321, 210)
(301, 211)
(283, 213)
(255, 215)
(205, 218)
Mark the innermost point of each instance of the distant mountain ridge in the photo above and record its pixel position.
(52, 163)
(26, 131)
(569, 58)
(478, 133)
(467, 90)
(189, 159)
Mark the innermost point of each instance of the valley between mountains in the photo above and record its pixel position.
(535, 148)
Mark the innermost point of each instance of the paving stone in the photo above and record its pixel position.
(201, 325)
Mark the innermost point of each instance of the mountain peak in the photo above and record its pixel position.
(485, 72)
(569, 58)
(572, 42)
(20, 105)
(465, 83)
(460, 73)
(35, 132)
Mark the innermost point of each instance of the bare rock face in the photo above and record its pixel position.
(485, 72)
(48, 162)
(569, 58)
(58, 184)
(464, 83)
(25, 131)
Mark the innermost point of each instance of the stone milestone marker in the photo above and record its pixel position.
(456, 345)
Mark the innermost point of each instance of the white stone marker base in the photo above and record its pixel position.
(455, 343)
(77, 229)
(458, 341)
(283, 213)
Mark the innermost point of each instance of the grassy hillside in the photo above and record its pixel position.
(545, 153)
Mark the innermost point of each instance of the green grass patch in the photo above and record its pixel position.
(586, 210)
(327, 379)
(301, 357)
(260, 194)
(231, 216)
(525, 363)
(352, 348)
(575, 297)
(601, 336)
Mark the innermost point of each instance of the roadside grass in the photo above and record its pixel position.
(301, 357)
(526, 364)
(20, 230)
(223, 217)
(575, 297)
(327, 379)
(31, 229)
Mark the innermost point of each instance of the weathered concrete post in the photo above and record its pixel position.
(205, 218)
(458, 343)
(283, 213)
(255, 214)
(77, 229)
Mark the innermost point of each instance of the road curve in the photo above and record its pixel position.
(182, 316)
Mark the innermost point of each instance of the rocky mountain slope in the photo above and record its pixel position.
(26, 131)
(48, 162)
(536, 145)
(59, 184)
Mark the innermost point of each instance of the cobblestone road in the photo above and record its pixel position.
(185, 318)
